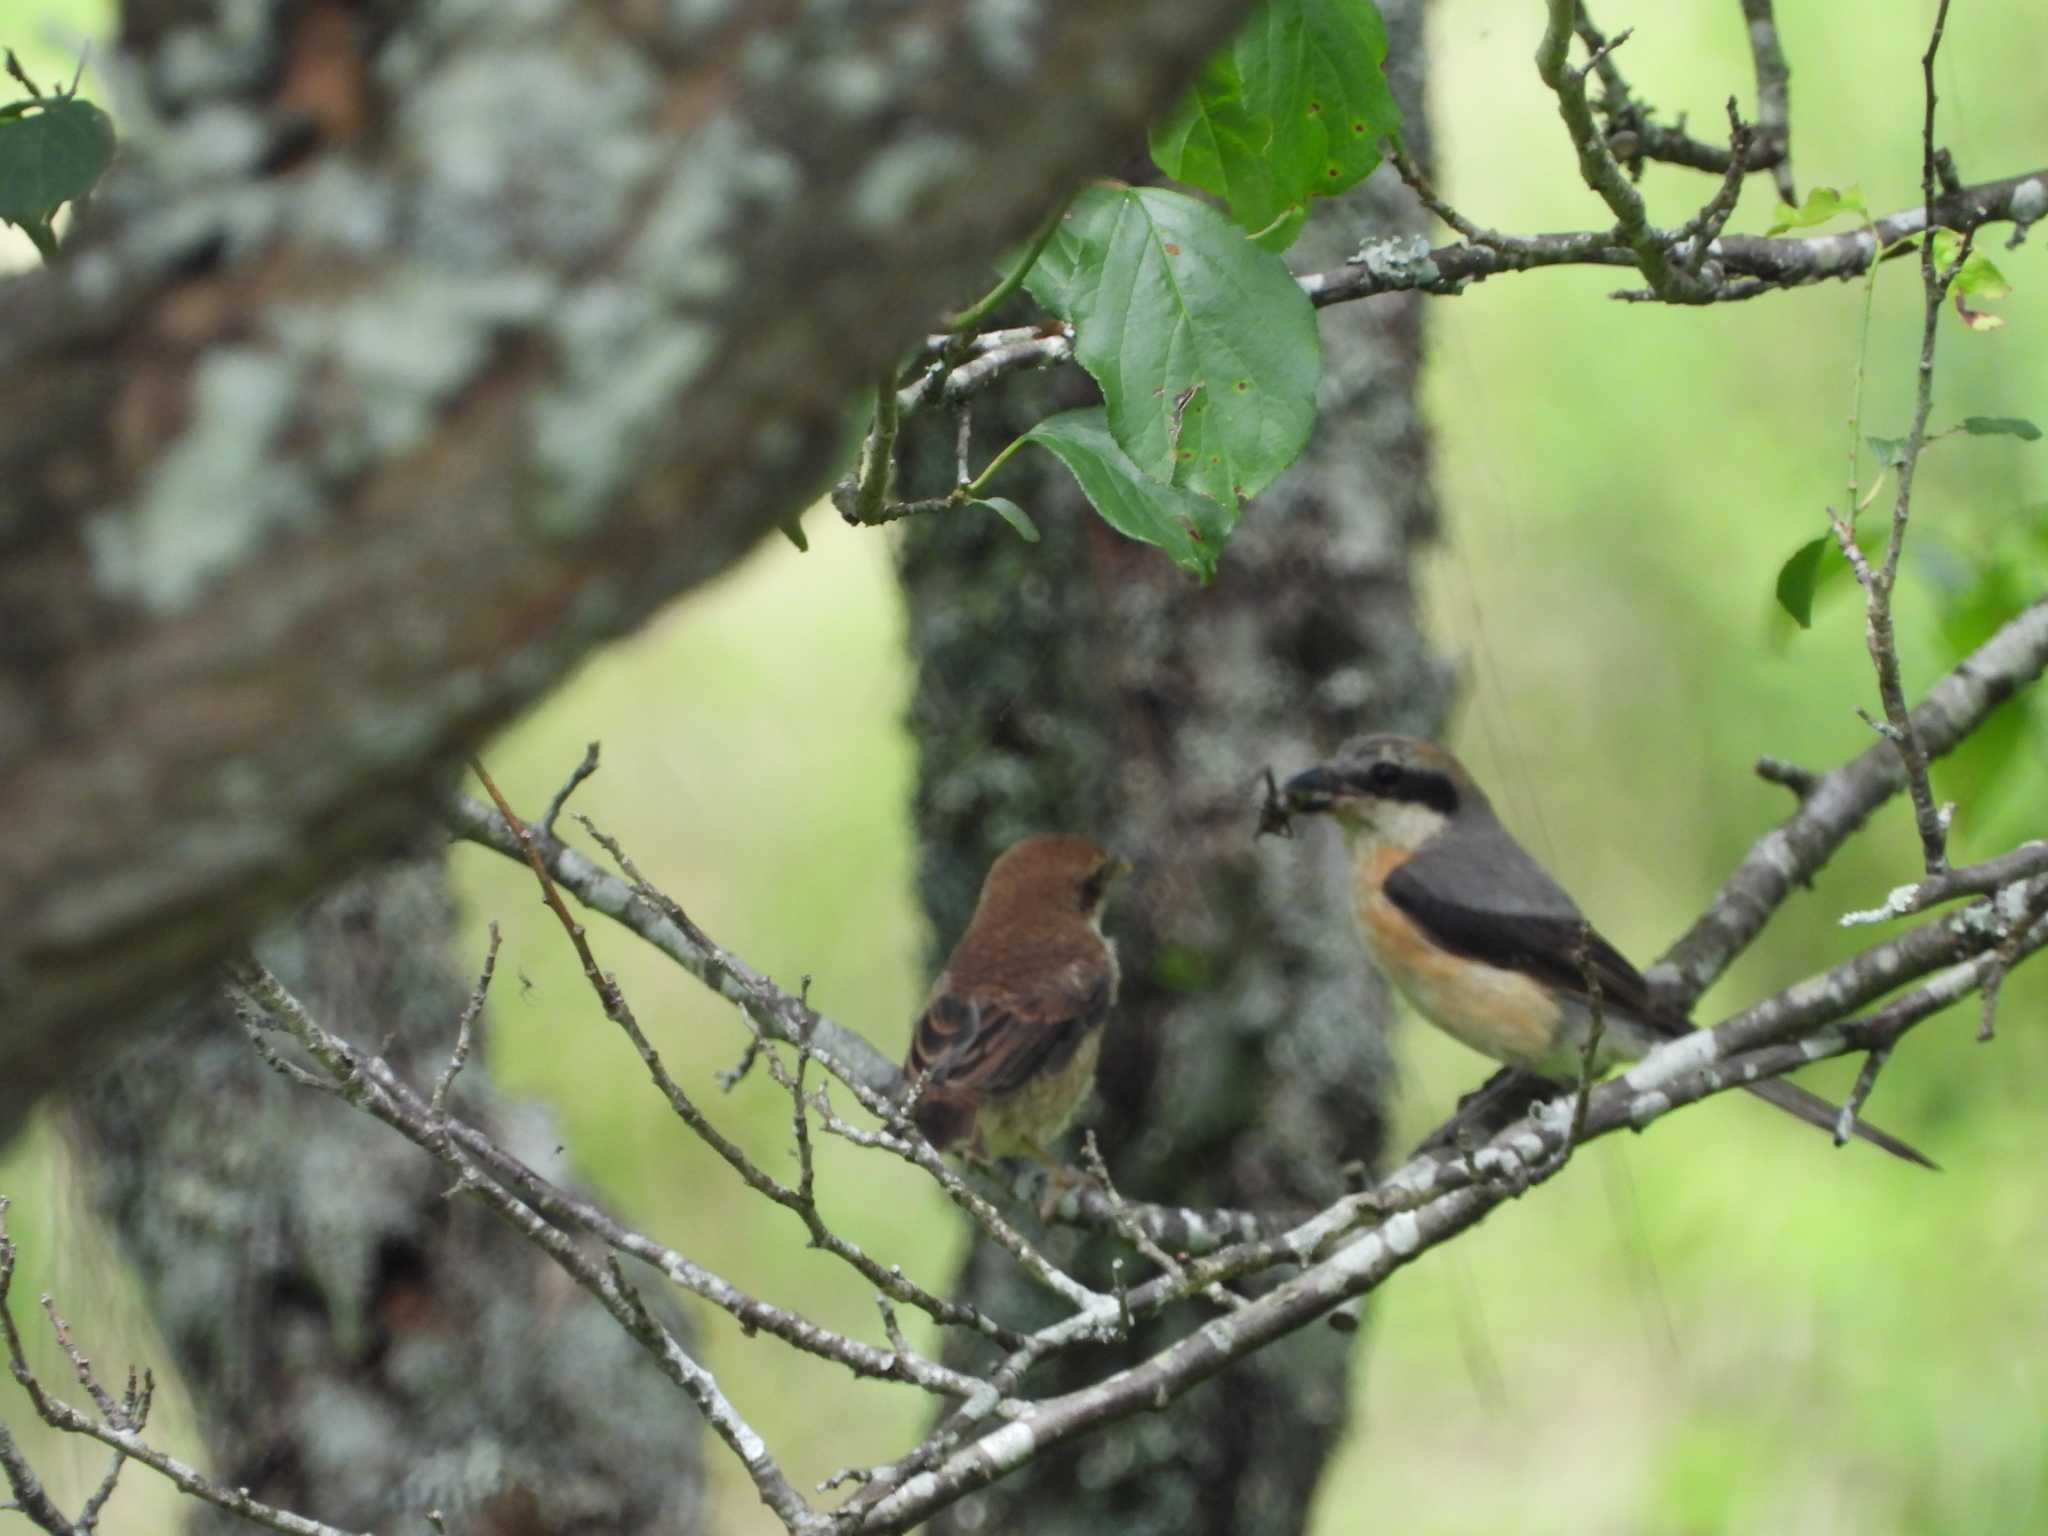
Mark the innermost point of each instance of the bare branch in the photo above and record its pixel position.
(577, 775)
(1840, 801)
(465, 1027)
(29, 1501)
(1597, 165)
(1773, 146)
(1878, 585)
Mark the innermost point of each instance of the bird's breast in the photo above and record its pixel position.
(1498, 1012)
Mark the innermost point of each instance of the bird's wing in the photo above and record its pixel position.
(1490, 901)
(1496, 904)
(994, 1042)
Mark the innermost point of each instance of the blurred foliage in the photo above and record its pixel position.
(1725, 1326)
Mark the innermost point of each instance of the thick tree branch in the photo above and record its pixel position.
(317, 459)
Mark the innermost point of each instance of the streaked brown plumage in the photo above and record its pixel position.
(1007, 1042)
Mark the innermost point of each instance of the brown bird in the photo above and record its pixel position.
(1471, 929)
(1007, 1042)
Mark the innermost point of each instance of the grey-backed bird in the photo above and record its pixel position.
(1474, 932)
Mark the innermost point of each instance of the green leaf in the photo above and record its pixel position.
(1890, 451)
(1822, 204)
(1010, 513)
(51, 153)
(1191, 528)
(1977, 278)
(1204, 345)
(2001, 426)
(1818, 565)
(1295, 108)
(1797, 579)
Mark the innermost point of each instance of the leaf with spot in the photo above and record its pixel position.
(1204, 344)
(1293, 109)
(52, 151)
(1191, 528)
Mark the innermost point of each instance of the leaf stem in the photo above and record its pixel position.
(970, 318)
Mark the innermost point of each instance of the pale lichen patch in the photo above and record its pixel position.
(216, 493)
(1001, 35)
(529, 150)
(897, 181)
(683, 251)
(590, 432)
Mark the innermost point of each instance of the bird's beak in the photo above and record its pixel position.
(1316, 790)
(1120, 867)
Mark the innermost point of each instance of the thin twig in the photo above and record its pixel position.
(465, 1027)
(1882, 643)
(583, 770)
(60, 1415)
(1776, 770)
(612, 1000)
(1845, 1120)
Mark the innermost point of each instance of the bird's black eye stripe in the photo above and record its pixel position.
(1093, 886)
(1416, 786)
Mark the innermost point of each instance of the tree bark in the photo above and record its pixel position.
(1082, 684)
(359, 1344)
(413, 351)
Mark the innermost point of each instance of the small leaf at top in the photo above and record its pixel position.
(1822, 204)
(51, 153)
(2001, 426)
(1010, 513)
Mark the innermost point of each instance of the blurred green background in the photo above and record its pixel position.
(1720, 1327)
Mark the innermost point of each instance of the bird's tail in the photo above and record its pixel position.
(1817, 1111)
